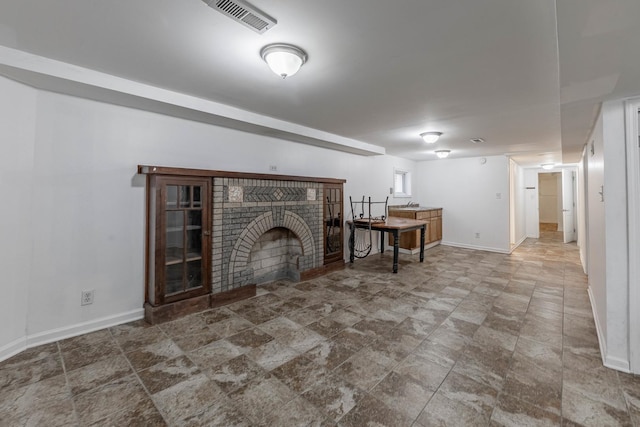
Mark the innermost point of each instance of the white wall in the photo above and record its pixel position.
(596, 229)
(474, 198)
(607, 234)
(17, 125)
(85, 229)
(617, 284)
(582, 213)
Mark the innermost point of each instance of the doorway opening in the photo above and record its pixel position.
(550, 201)
(557, 203)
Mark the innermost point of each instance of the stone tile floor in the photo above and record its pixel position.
(466, 338)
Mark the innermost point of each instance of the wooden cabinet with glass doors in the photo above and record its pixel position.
(333, 223)
(178, 239)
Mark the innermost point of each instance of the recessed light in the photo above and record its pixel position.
(430, 137)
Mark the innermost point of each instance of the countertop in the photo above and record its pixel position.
(411, 209)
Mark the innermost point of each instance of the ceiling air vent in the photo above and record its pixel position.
(477, 140)
(244, 13)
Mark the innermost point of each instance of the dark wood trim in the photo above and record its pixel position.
(165, 170)
(147, 190)
(232, 296)
(321, 271)
(171, 311)
(175, 310)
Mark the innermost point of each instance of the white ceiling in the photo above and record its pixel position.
(527, 76)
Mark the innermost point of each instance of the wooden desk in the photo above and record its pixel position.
(394, 226)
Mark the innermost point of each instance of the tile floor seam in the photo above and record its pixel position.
(135, 374)
(66, 379)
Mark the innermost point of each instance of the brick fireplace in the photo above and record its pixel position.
(212, 236)
(264, 230)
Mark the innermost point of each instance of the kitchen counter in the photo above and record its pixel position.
(411, 208)
(411, 241)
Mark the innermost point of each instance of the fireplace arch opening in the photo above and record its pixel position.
(288, 224)
(275, 256)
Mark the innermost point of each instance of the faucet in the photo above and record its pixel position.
(411, 204)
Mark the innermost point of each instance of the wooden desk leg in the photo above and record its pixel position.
(423, 231)
(396, 249)
(381, 241)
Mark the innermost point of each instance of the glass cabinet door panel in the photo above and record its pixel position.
(194, 244)
(194, 274)
(194, 220)
(333, 222)
(185, 196)
(172, 196)
(194, 234)
(174, 240)
(197, 196)
(174, 278)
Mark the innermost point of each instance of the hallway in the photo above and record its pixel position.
(466, 338)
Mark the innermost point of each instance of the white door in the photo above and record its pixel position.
(568, 206)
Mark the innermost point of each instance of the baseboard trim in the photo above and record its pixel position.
(478, 248)
(321, 271)
(618, 364)
(515, 246)
(53, 335)
(596, 320)
(415, 251)
(612, 362)
(13, 348)
(583, 260)
(83, 328)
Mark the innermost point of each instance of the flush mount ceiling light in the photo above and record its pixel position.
(430, 137)
(547, 166)
(443, 154)
(284, 59)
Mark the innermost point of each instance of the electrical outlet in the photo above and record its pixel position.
(273, 168)
(477, 235)
(86, 297)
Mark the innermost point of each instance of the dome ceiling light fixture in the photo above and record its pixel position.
(442, 154)
(430, 137)
(284, 59)
(547, 166)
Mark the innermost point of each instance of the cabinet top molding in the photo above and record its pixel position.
(165, 170)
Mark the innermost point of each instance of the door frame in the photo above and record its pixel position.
(571, 235)
(632, 142)
(557, 170)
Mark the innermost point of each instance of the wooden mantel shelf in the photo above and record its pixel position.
(165, 170)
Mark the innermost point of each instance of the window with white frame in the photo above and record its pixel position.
(401, 183)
